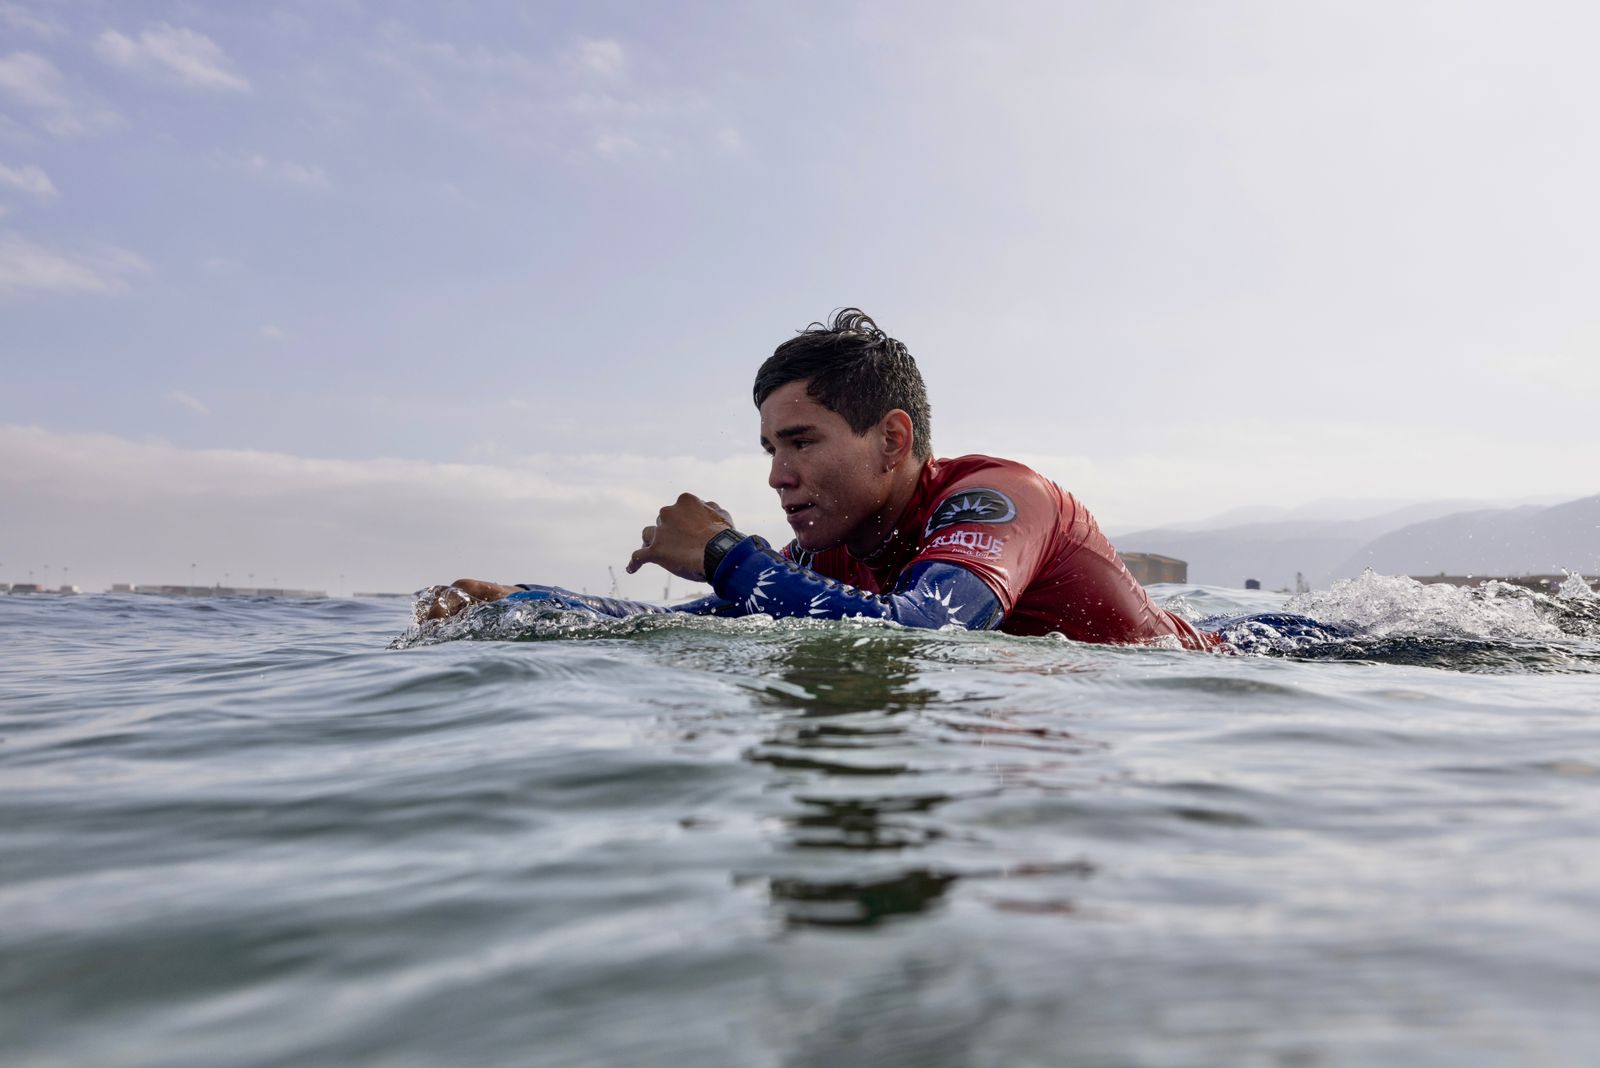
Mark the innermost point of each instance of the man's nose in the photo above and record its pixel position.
(781, 475)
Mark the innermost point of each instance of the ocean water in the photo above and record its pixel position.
(306, 833)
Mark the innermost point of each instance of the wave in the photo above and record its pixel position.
(1496, 627)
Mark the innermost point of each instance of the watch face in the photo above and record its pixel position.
(721, 543)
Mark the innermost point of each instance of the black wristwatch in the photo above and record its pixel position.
(720, 545)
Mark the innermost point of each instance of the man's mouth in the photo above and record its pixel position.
(798, 511)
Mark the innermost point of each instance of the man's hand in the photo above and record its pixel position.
(441, 602)
(678, 539)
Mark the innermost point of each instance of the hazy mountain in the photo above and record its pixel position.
(1336, 509)
(1455, 536)
(1228, 557)
(1499, 541)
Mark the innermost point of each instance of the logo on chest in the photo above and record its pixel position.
(971, 506)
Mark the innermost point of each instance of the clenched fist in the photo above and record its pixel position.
(677, 539)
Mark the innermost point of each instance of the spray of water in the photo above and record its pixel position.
(1576, 588)
(1495, 627)
(1381, 605)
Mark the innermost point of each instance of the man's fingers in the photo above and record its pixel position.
(440, 602)
(641, 555)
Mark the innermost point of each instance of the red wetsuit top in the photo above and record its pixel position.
(1032, 543)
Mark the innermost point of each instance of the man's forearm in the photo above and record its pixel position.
(557, 597)
(931, 595)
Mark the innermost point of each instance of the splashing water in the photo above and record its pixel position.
(1496, 627)
(1382, 605)
(1577, 588)
(515, 621)
(532, 621)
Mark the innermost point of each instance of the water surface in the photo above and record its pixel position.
(251, 833)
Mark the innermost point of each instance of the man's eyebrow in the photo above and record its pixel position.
(786, 433)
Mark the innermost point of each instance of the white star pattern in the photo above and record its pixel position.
(758, 598)
(952, 612)
(819, 604)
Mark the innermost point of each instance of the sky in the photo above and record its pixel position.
(365, 296)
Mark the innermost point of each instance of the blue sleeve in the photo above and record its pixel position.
(615, 607)
(934, 593)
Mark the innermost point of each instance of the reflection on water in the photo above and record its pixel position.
(861, 693)
(859, 745)
(866, 823)
(848, 902)
(867, 901)
(844, 671)
(836, 767)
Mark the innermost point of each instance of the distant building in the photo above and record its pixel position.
(1252, 584)
(1149, 568)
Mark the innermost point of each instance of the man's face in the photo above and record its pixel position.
(830, 481)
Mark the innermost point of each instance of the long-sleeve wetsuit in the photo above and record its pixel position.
(984, 543)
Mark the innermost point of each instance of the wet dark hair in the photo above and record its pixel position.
(855, 369)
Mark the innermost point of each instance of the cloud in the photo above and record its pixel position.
(142, 510)
(579, 98)
(28, 179)
(20, 18)
(603, 57)
(174, 52)
(29, 268)
(33, 81)
(1185, 472)
(612, 145)
(189, 401)
(300, 174)
(273, 333)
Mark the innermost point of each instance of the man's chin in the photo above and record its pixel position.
(814, 541)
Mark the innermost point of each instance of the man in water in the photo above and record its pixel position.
(882, 529)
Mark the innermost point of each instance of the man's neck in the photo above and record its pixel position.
(902, 488)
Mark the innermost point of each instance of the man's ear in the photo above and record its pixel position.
(898, 437)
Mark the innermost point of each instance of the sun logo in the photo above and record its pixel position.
(972, 506)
